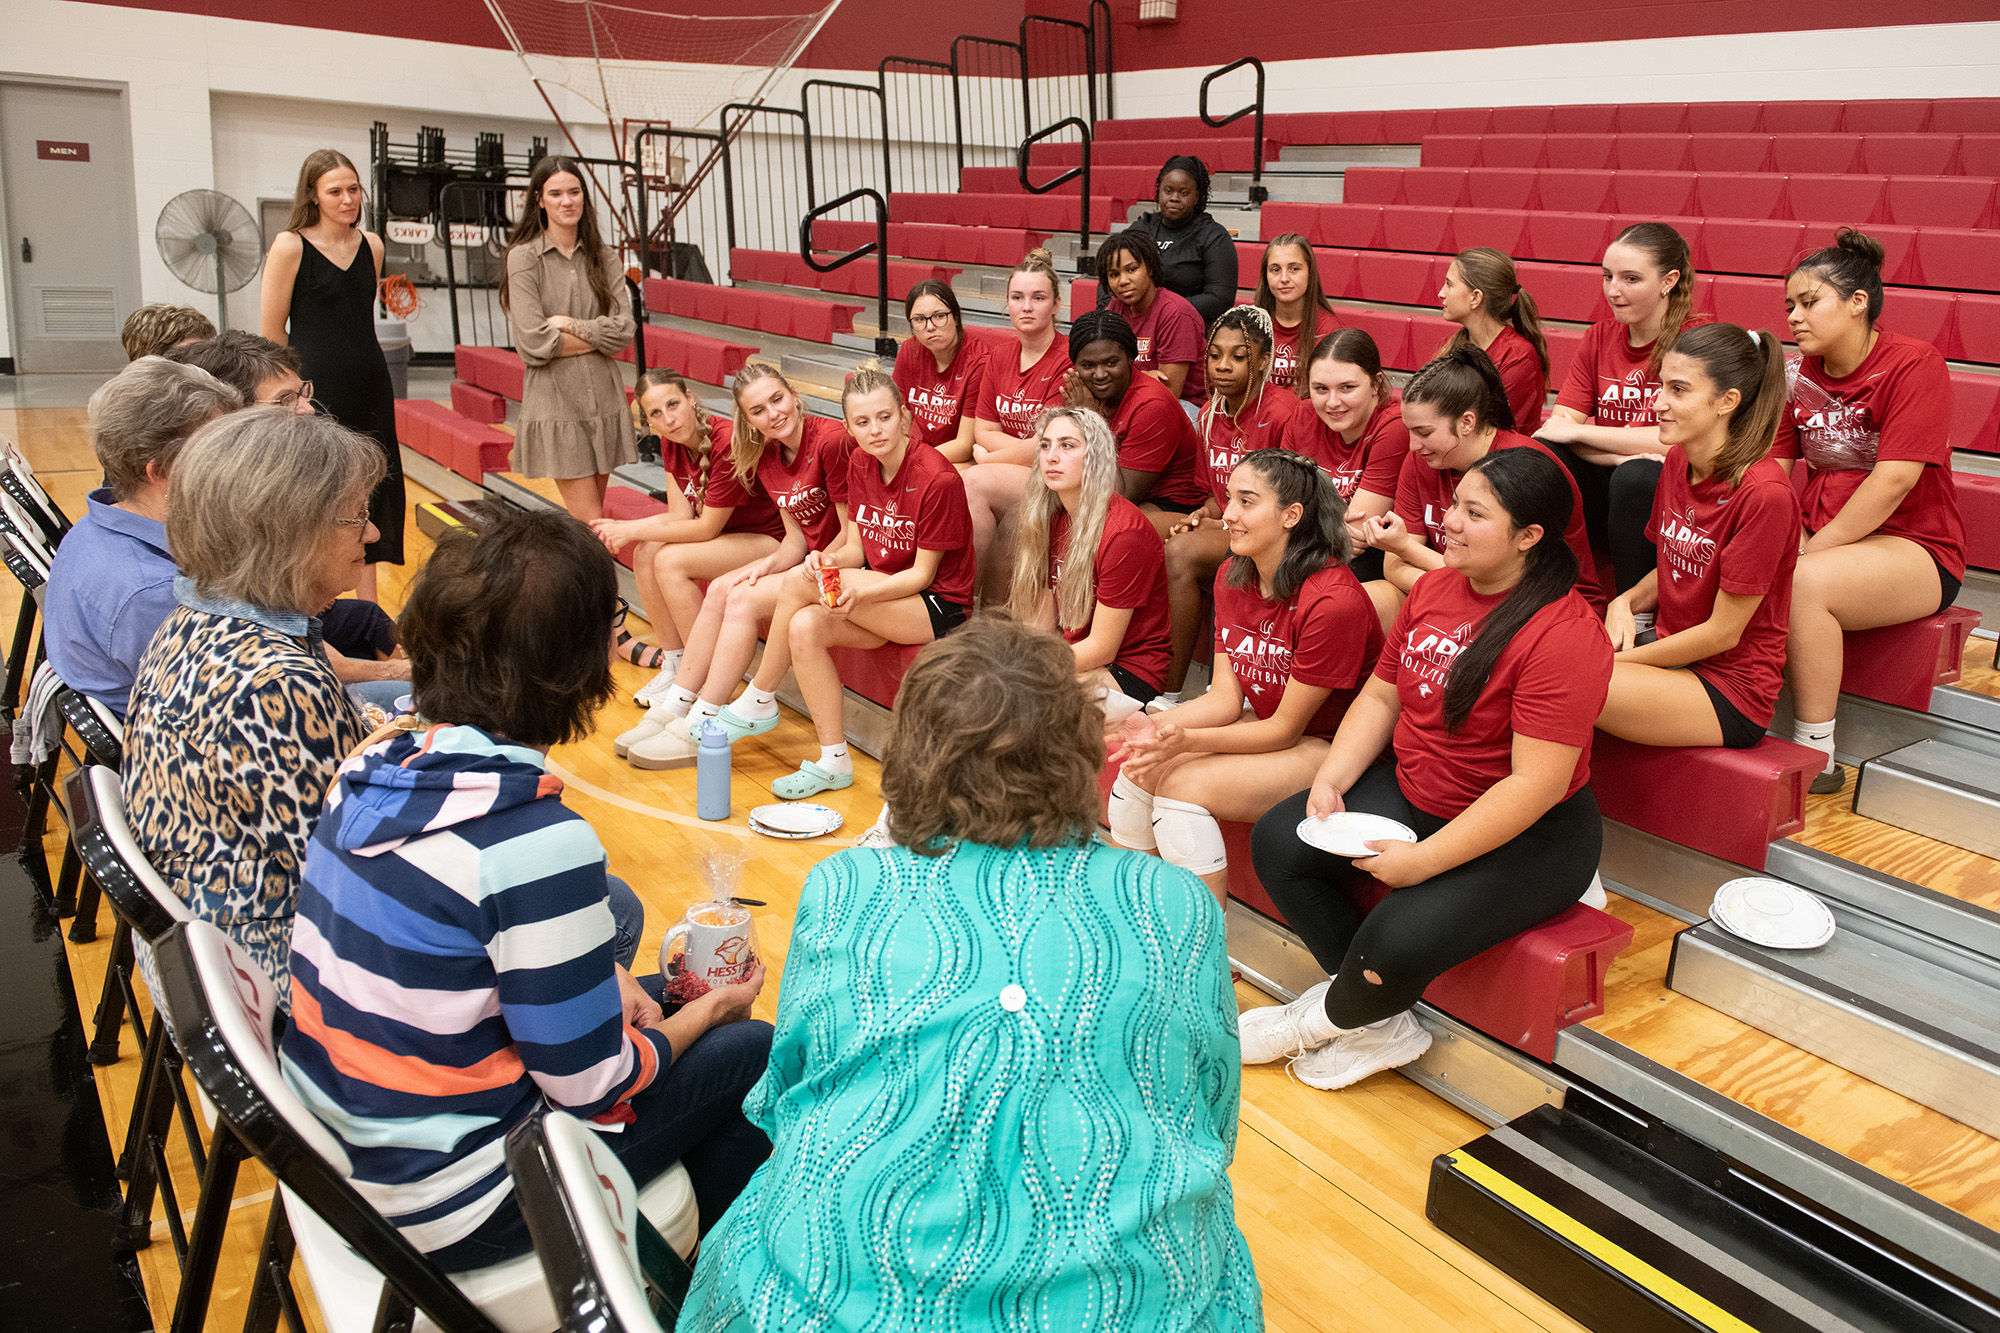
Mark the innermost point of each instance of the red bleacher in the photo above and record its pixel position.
(495, 369)
(781, 267)
(709, 360)
(626, 504)
(469, 448)
(1000, 246)
(767, 312)
(477, 404)
(1729, 803)
(1029, 212)
(1901, 664)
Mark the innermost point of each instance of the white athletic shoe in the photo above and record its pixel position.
(1273, 1032)
(1594, 896)
(652, 724)
(1160, 703)
(1353, 1056)
(670, 747)
(877, 834)
(653, 690)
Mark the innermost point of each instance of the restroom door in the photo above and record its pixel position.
(72, 261)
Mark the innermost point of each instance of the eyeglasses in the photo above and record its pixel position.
(618, 616)
(291, 398)
(361, 522)
(936, 321)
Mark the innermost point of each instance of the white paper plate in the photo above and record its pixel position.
(802, 819)
(1349, 833)
(755, 827)
(1772, 913)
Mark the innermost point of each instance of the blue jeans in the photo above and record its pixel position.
(382, 693)
(692, 1114)
(629, 915)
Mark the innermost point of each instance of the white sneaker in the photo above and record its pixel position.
(653, 690)
(1160, 703)
(670, 747)
(652, 724)
(877, 834)
(1273, 1032)
(1353, 1056)
(1594, 896)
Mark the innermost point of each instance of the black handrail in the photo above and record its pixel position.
(881, 106)
(1258, 194)
(958, 112)
(729, 138)
(957, 119)
(1110, 111)
(885, 343)
(1067, 122)
(687, 188)
(1089, 58)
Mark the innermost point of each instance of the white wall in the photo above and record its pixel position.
(1929, 60)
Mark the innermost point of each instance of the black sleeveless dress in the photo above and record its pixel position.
(333, 330)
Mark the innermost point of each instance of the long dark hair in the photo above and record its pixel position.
(1492, 275)
(1462, 379)
(942, 291)
(1315, 295)
(535, 220)
(1357, 348)
(1534, 491)
(1753, 364)
(1853, 263)
(1317, 540)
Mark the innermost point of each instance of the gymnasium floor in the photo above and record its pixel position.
(1330, 1187)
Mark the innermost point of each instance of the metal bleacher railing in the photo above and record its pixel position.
(1258, 194)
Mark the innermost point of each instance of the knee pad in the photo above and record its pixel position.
(1188, 836)
(1130, 811)
(1118, 706)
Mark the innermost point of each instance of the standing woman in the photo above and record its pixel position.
(1483, 296)
(1016, 386)
(1602, 426)
(1870, 413)
(1169, 332)
(1726, 522)
(1088, 564)
(1295, 638)
(1197, 254)
(1156, 444)
(938, 369)
(1492, 675)
(1288, 291)
(318, 298)
(907, 578)
(571, 315)
(714, 521)
(1245, 413)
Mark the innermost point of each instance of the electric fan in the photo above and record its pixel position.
(210, 242)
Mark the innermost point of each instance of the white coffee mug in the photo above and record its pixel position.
(714, 941)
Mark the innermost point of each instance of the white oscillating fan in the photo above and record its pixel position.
(210, 242)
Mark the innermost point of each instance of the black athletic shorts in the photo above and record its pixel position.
(1132, 685)
(945, 616)
(1738, 731)
(1174, 506)
(1948, 585)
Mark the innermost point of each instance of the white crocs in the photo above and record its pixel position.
(1353, 1056)
(1273, 1032)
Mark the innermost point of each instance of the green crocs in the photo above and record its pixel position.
(810, 780)
(738, 728)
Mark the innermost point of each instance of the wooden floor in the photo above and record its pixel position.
(1330, 1187)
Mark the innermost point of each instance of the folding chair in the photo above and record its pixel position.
(609, 1269)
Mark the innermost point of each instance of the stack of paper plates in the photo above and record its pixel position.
(1349, 833)
(794, 819)
(1772, 913)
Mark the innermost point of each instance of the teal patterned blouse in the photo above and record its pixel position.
(1002, 1095)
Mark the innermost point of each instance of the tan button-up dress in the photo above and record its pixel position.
(574, 421)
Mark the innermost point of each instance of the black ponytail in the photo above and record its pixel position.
(1317, 540)
(1462, 379)
(1535, 491)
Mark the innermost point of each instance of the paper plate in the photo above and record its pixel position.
(802, 819)
(1349, 833)
(755, 827)
(1772, 913)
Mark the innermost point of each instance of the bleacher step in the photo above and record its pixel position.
(1350, 155)
(1305, 183)
(1935, 789)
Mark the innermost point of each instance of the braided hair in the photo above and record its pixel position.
(702, 445)
(1102, 325)
(1254, 323)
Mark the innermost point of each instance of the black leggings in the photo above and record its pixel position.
(1418, 933)
(1617, 507)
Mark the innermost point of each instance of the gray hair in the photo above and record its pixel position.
(145, 412)
(255, 496)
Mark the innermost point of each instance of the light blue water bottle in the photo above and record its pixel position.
(711, 773)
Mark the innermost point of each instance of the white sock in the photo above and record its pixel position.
(835, 759)
(670, 663)
(699, 712)
(754, 704)
(1316, 1027)
(679, 700)
(1819, 735)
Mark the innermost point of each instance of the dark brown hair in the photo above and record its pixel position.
(1462, 379)
(1853, 263)
(940, 289)
(506, 628)
(1138, 244)
(1315, 297)
(535, 220)
(1357, 348)
(1668, 250)
(238, 358)
(1320, 537)
(1753, 364)
(305, 198)
(995, 741)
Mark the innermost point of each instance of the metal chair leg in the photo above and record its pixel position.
(75, 883)
(211, 1221)
(271, 1293)
(111, 1005)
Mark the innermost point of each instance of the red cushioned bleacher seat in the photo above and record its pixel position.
(1385, 185)
(1574, 238)
(1801, 117)
(1975, 412)
(1584, 119)
(1752, 303)
(1390, 331)
(1967, 115)
(1500, 228)
(699, 357)
(1816, 152)
(1729, 152)
(1407, 126)
(413, 423)
(1436, 187)
(1729, 803)
(1978, 155)
(1463, 120)
(477, 404)
(1354, 226)
(1576, 191)
(1979, 507)
(1397, 279)
(1514, 150)
(1906, 154)
(1453, 150)
(876, 673)
(1901, 664)
(1978, 327)
(1652, 118)
(1724, 117)
(1564, 291)
(1939, 201)
(1748, 245)
(1428, 335)
(1522, 119)
(1581, 152)
(1501, 187)
(469, 448)
(1409, 227)
(1859, 198)
(1280, 217)
(1655, 152)
(1928, 315)
(1952, 257)
(1344, 127)
(1665, 192)
(1886, 116)
(1563, 347)
(1739, 194)
(493, 368)
(1337, 269)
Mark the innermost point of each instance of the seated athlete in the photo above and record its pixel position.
(1289, 291)
(939, 368)
(1157, 466)
(1485, 298)
(1168, 329)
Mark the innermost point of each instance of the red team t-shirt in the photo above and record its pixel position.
(1374, 462)
(1896, 405)
(1550, 683)
(1608, 382)
(1170, 332)
(1328, 635)
(1285, 349)
(1521, 375)
(1424, 493)
(1741, 539)
(1131, 575)
(937, 399)
(921, 507)
(751, 509)
(1223, 440)
(1155, 435)
(814, 481)
(1013, 397)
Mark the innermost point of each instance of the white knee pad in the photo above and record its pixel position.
(1118, 706)
(1131, 814)
(1189, 837)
